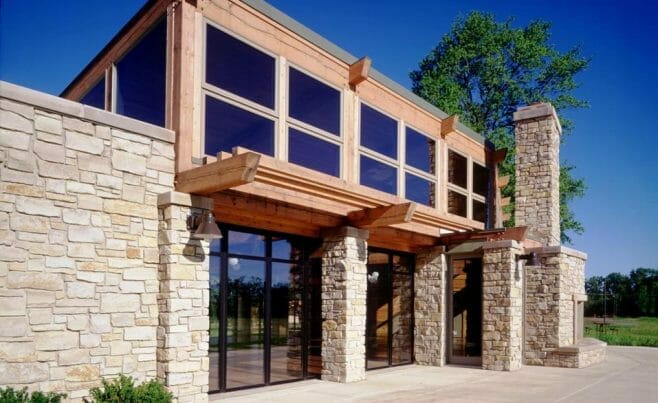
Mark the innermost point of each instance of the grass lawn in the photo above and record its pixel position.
(626, 331)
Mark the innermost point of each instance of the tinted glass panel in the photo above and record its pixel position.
(419, 190)
(480, 180)
(244, 243)
(457, 170)
(96, 96)
(215, 303)
(420, 151)
(245, 324)
(313, 152)
(141, 78)
(239, 68)
(228, 126)
(456, 203)
(378, 301)
(314, 102)
(286, 324)
(379, 176)
(479, 211)
(467, 307)
(379, 132)
(401, 322)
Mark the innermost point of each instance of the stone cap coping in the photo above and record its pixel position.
(558, 249)
(579, 297)
(536, 111)
(185, 199)
(83, 112)
(507, 243)
(345, 231)
(583, 345)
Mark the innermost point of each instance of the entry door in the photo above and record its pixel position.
(465, 336)
(389, 321)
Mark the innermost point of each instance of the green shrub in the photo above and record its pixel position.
(123, 390)
(10, 395)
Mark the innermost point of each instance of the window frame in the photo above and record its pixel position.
(432, 178)
(468, 191)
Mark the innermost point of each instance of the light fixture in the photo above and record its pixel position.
(373, 277)
(204, 226)
(532, 259)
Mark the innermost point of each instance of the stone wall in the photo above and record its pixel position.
(502, 307)
(344, 288)
(429, 307)
(78, 242)
(537, 191)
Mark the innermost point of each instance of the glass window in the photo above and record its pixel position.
(140, 87)
(480, 180)
(96, 95)
(239, 68)
(313, 102)
(313, 152)
(479, 211)
(379, 132)
(457, 170)
(456, 203)
(378, 175)
(420, 151)
(228, 126)
(245, 243)
(419, 190)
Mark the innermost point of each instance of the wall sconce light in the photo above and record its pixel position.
(204, 226)
(373, 277)
(532, 259)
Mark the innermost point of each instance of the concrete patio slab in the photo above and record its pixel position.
(629, 374)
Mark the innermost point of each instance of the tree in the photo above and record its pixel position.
(483, 70)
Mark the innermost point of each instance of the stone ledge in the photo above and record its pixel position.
(184, 199)
(586, 344)
(556, 250)
(508, 243)
(537, 111)
(52, 103)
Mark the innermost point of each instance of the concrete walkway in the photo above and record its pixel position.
(629, 374)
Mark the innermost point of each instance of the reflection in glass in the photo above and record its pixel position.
(246, 243)
(314, 102)
(378, 175)
(239, 68)
(314, 312)
(457, 203)
(480, 180)
(245, 324)
(228, 126)
(419, 190)
(457, 169)
(479, 211)
(401, 323)
(467, 307)
(286, 323)
(420, 151)
(377, 321)
(215, 301)
(379, 132)
(95, 96)
(314, 153)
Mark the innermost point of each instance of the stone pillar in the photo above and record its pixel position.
(183, 300)
(537, 195)
(502, 307)
(344, 288)
(429, 307)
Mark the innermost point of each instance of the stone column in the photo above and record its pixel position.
(429, 307)
(344, 288)
(183, 300)
(537, 195)
(502, 307)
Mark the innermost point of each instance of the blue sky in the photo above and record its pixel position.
(44, 44)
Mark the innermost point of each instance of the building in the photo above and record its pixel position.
(358, 222)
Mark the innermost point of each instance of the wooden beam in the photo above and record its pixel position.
(449, 125)
(359, 71)
(382, 216)
(505, 201)
(219, 175)
(502, 181)
(499, 155)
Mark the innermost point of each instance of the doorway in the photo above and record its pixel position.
(265, 326)
(465, 311)
(389, 320)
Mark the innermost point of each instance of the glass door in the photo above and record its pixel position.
(466, 311)
(389, 320)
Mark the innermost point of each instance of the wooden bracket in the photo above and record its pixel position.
(219, 175)
(499, 155)
(449, 125)
(359, 71)
(382, 216)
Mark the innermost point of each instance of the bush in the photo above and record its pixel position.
(10, 395)
(123, 390)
